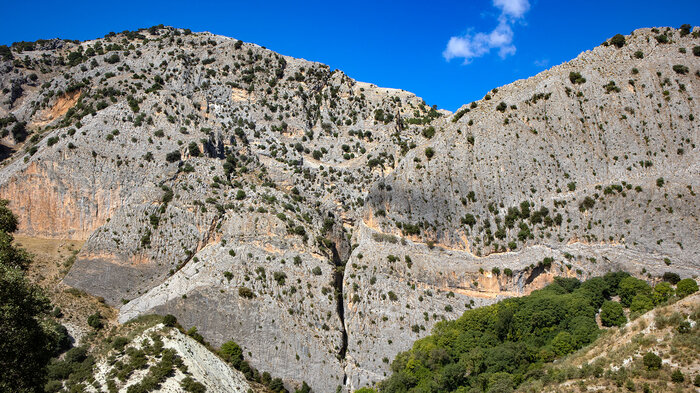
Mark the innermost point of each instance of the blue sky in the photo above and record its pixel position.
(392, 44)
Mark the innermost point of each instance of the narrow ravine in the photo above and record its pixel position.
(338, 277)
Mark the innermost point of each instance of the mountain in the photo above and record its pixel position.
(325, 224)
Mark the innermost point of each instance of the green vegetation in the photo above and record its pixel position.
(618, 41)
(499, 347)
(576, 78)
(29, 337)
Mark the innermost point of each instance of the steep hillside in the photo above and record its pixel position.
(325, 224)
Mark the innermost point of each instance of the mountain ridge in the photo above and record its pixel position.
(230, 160)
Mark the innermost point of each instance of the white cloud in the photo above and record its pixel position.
(470, 46)
(541, 63)
(512, 8)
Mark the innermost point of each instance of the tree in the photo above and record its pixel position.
(611, 314)
(672, 278)
(232, 353)
(662, 291)
(618, 40)
(641, 304)
(652, 361)
(563, 343)
(686, 287)
(631, 287)
(28, 338)
(173, 156)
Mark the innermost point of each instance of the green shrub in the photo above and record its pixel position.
(173, 156)
(680, 69)
(191, 386)
(169, 320)
(95, 321)
(245, 292)
(652, 361)
(677, 376)
(576, 78)
(429, 152)
(232, 353)
(696, 50)
(618, 40)
(671, 277)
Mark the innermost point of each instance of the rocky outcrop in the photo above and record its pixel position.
(324, 224)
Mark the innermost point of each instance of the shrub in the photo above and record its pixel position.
(611, 314)
(119, 343)
(114, 58)
(662, 39)
(680, 69)
(672, 278)
(245, 292)
(502, 107)
(429, 152)
(576, 78)
(696, 50)
(639, 54)
(191, 386)
(95, 321)
(232, 353)
(618, 40)
(173, 156)
(169, 320)
(685, 29)
(316, 271)
(686, 287)
(429, 132)
(677, 376)
(652, 361)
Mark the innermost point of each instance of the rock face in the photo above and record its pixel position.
(324, 224)
(201, 365)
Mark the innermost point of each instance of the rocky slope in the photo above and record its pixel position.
(323, 223)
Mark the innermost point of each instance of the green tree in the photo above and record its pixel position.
(232, 353)
(28, 338)
(662, 291)
(612, 314)
(686, 287)
(618, 40)
(563, 343)
(651, 361)
(641, 304)
(630, 287)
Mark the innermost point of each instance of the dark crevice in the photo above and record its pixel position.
(338, 276)
(539, 269)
